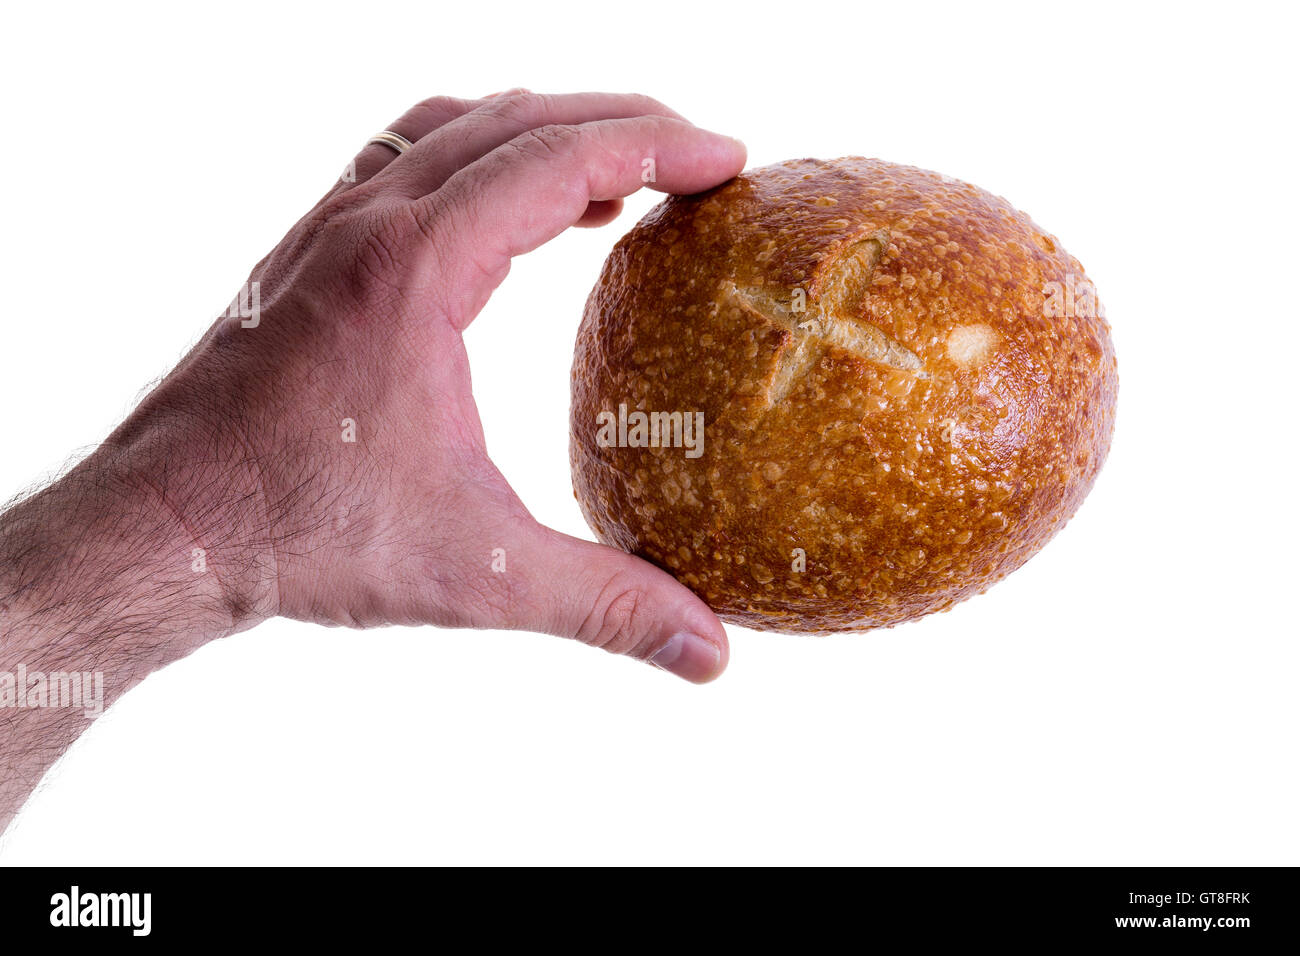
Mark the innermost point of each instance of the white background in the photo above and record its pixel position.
(1128, 697)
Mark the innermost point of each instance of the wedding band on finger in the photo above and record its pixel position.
(389, 138)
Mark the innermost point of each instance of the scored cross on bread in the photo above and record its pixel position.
(899, 408)
(830, 319)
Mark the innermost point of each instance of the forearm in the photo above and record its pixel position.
(102, 581)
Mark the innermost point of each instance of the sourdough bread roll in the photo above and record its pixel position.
(838, 395)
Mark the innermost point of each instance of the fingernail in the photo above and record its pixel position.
(689, 656)
(513, 89)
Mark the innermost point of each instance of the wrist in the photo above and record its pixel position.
(202, 488)
(132, 560)
(122, 555)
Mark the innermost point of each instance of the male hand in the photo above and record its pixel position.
(347, 408)
(323, 459)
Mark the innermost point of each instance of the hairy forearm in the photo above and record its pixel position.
(103, 580)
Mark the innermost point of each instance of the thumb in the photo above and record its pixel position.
(609, 599)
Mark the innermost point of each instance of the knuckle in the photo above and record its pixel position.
(483, 122)
(437, 110)
(622, 621)
(518, 106)
(547, 142)
(347, 201)
(344, 206)
(362, 255)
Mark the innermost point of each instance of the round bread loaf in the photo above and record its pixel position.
(838, 395)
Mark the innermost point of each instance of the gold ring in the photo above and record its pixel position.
(395, 140)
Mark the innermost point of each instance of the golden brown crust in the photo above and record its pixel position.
(934, 414)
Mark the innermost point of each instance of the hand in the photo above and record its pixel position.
(318, 454)
(327, 453)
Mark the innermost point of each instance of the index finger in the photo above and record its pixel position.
(531, 189)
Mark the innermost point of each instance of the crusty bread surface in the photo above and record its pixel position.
(906, 386)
